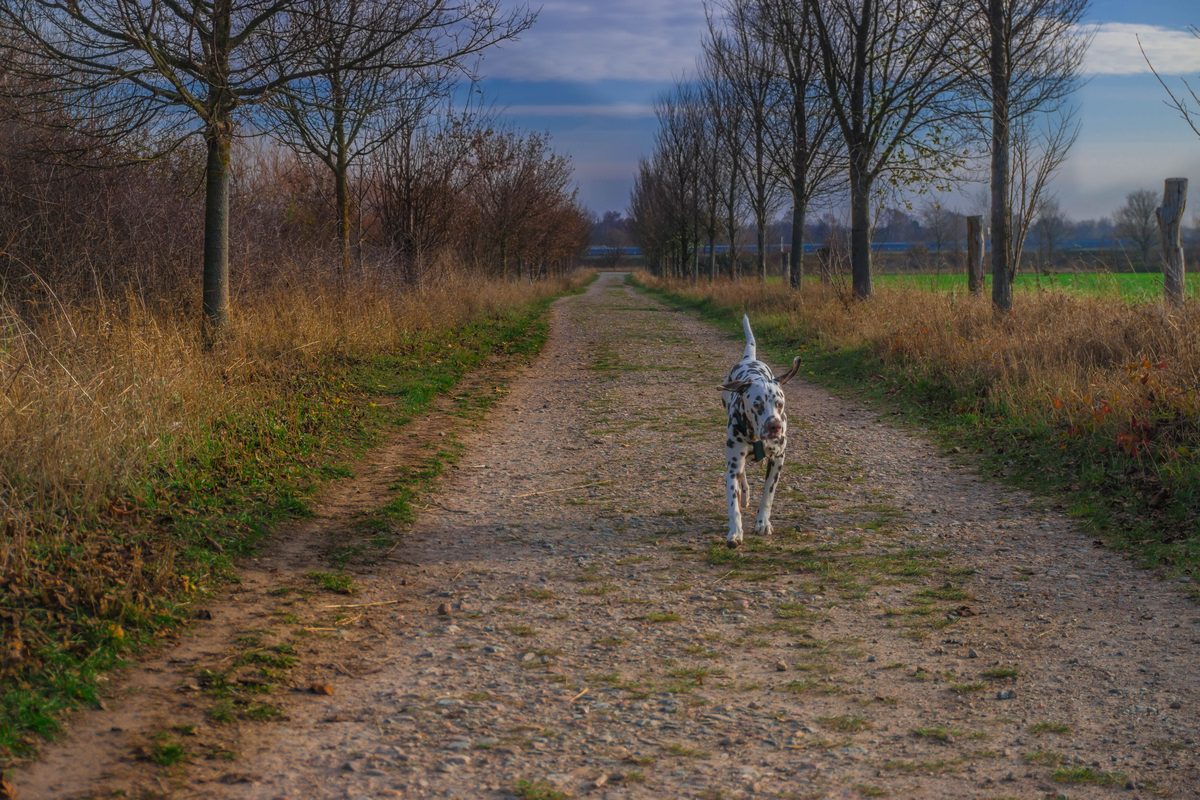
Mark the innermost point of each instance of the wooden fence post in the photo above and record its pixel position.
(1170, 217)
(975, 254)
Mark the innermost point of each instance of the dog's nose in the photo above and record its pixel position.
(774, 427)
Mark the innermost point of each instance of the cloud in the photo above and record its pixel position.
(594, 40)
(578, 110)
(1115, 50)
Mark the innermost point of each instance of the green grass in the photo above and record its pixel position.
(999, 673)
(216, 495)
(337, 582)
(1133, 286)
(537, 790)
(1087, 775)
(845, 724)
(165, 751)
(1115, 495)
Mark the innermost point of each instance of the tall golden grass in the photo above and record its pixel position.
(88, 395)
(1058, 355)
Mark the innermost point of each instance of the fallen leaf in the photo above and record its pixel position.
(321, 688)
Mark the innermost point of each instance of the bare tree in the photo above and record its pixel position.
(678, 153)
(1050, 227)
(894, 94)
(942, 225)
(519, 180)
(1138, 222)
(381, 64)
(1028, 66)
(728, 118)
(1039, 145)
(747, 64)
(1186, 100)
(805, 152)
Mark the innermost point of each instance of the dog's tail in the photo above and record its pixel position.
(751, 347)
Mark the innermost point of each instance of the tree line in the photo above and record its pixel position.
(348, 128)
(858, 102)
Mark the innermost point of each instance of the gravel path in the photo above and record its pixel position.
(563, 617)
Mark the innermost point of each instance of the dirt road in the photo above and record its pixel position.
(563, 617)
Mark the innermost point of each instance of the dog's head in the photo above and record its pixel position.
(762, 402)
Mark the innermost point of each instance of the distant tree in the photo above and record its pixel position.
(1138, 222)
(942, 227)
(804, 150)
(747, 63)
(728, 120)
(1050, 228)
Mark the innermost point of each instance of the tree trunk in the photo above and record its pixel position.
(1002, 271)
(216, 229)
(762, 249)
(1170, 217)
(712, 244)
(975, 249)
(860, 231)
(796, 258)
(341, 182)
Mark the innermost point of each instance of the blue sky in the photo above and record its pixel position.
(589, 71)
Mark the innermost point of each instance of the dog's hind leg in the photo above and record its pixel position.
(762, 524)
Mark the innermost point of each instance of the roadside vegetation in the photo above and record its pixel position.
(1088, 398)
(137, 466)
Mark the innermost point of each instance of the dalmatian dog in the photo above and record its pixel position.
(757, 428)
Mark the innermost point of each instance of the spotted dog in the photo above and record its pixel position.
(754, 400)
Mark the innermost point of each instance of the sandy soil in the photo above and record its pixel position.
(563, 617)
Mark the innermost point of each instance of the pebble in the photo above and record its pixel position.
(1005, 694)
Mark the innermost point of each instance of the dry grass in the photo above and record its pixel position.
(101, 411)
(88, 394)
(1070, 359)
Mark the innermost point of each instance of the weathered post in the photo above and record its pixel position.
(975, 254)
(1170, 217)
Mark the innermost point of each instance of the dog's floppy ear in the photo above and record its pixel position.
(737, 387)
(791, 373)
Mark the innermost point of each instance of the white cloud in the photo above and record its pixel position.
(1115, 51)
(577, 110)
(593, 40)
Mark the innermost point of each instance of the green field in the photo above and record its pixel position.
(1129, 285)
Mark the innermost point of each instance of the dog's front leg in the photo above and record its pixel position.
(762, 524)
(735, 461)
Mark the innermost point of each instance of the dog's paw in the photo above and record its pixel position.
(763, 528)
(733, 542)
